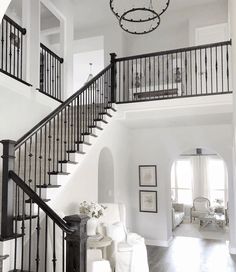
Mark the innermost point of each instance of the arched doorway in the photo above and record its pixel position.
(199, 195)
(105, 177)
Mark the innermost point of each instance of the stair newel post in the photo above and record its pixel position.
(8, 162)
(113, 77)
(76, 244)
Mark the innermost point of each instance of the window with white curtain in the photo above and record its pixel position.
(216, 176)
(181, 179)
(207, 178)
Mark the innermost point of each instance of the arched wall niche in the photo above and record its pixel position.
(105, 177)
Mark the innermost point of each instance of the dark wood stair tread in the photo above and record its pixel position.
(110, 108)
(100, 119)
(69, 162)
(25, 217)
(58, 173)
(48, 186)
(94, 126)
(89, 134)
(31, 201)
(76, 151)
(82, 142)
(105, 113)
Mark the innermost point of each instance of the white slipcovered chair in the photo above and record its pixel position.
(128, 251)
(201, 206)
(95, 263)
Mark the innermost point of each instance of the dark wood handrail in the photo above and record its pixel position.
(185, 49)
(51, 52)
(9, 20)
(42, 205)
(60, 108)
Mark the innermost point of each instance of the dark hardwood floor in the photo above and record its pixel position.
(192, 255)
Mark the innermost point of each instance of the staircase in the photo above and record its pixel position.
(40, 164)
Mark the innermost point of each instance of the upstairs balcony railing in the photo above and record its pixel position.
(50, 73)
(11, 49)
(194, 71)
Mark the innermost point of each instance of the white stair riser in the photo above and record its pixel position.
(48, 193)
(58, 179)
(76, 157)
(68, 167)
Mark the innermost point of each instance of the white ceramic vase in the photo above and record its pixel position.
(92, 226)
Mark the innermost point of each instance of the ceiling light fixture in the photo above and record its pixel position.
(139, 16)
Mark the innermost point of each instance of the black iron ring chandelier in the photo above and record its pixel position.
(139, 16)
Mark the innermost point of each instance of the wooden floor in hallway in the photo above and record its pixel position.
(187, 254)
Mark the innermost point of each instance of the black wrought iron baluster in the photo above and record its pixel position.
(54, 151)
(222, 69)
(206, 70)
(41, 176)
(167, 72)
(172, 73)
(145, 74)
(227, 69)
(132, 79)
(10, 51)
(158, 72)
(54, 259)
(63, 251)
(18, 54)
(21, 55)
(2, 43)
(216, 69)
(212, 87)
(38, 230)
(65, 133)
(196, 74)
(45, 156)
(191, 72)
(149, 76)
(186, 71)
(14, 56)
(68, 126)
(46, 245)
(7, 39)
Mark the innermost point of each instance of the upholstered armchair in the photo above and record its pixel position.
(201, 206)
(128, 250)
(177, 214)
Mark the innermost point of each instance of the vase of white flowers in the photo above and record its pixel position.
(94, 211)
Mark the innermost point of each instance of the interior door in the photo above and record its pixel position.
(211, 62)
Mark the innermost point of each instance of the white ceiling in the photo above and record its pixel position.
(91, 13)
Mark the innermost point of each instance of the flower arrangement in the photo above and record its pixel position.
(92, 209)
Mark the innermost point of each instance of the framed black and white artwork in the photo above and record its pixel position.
(148, 201)
(147, 175)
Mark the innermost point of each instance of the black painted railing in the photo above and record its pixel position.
(43, 236)
(51, 73)
(30, 166)
(12, 61)
(194, 71)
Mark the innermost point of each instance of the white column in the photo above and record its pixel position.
(232, 184)
(3, 7)
(66, 41)
(31, 21)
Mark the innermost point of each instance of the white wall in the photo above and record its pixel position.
(106, 192)
(177, 28)
(81, 67)
(161, 146)
(83, 184)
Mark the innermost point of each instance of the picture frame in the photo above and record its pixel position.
(147, 175)
(148, 201)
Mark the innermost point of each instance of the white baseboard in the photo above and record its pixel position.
(161, 243)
